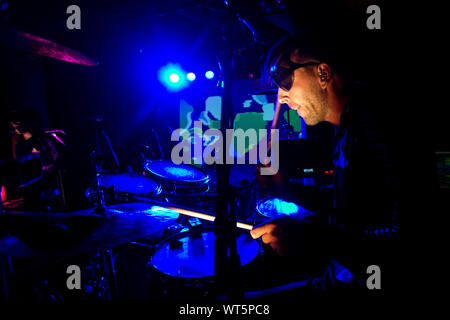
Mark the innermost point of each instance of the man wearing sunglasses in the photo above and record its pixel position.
(311, 73)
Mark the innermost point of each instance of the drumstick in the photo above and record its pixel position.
(274, 123)
(188, 212)
(273, 128)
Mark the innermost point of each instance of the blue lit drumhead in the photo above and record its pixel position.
(192, 255)
(130, 183)
(272, 207)
(177, 172)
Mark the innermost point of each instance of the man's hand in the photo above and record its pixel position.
(286, 235)
(278, 182)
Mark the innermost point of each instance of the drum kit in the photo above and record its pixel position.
(166, 207)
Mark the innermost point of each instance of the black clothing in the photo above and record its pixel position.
(367, 186)
(40, 193)
(44, 144)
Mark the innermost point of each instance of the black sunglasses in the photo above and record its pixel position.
(282, 76)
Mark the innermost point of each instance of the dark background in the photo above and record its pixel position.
(132, 39)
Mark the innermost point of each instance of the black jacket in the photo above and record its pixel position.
(368, 204)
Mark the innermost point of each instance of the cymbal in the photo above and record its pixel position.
(29, 43)
(47, 235)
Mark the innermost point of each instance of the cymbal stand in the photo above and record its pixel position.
(227, 262)
(110, 271)
(99, 198)
(7, 278)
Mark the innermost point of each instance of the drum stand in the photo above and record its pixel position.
(227, 262)
(99, 203)
(7, 278)
(110, 272)
(107, 256)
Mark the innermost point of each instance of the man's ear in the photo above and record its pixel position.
(324, 73)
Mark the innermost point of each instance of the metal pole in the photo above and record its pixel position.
(227, 262)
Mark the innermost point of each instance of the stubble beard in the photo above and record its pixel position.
(317, 107)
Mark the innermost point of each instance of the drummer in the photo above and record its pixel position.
(311, 79)
(27, 139)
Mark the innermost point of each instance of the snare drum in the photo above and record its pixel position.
(183, 265)
(272, 207)
(178, 180)
(125, 186)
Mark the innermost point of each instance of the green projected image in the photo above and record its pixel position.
(294, 120)
(251, 111)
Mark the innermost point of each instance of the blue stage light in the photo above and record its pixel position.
(209, 74)
(191, 76)
(173, 77)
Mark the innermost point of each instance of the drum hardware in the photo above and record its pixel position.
(194, 222)
(272, 207)
(119, 224)
(118, 187)
(96, 157)
(99, 203)
(183, 264)
(154, 239)
(8, 278)
(95, 196)
(178, 181)
(189, 212)
(109, 285)
(148, 153)
(45, 279)
(62, 234)
(242, 185)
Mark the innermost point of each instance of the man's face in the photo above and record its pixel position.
(15, 125)
(306, 95)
